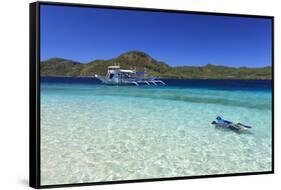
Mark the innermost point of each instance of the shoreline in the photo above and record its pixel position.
(230, 79)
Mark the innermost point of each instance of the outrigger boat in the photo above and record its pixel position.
(117, 76)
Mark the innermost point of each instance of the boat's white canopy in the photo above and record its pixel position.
(114, 67)
(126, 71)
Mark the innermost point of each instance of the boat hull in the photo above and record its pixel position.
(135, 82)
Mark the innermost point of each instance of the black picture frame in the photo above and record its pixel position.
(34, 94)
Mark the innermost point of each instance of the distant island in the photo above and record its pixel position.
(140, 60)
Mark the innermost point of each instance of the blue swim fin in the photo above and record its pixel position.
(247, 126)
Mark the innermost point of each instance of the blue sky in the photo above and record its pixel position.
(86, 34)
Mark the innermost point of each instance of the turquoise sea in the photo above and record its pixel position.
(92, 132)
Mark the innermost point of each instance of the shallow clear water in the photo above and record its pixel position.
(91, 132)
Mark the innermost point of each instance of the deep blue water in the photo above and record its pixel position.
(219, 84)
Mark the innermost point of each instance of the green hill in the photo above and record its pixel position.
(141, 60)
(60, 67)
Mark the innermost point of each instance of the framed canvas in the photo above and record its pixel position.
(121, 94)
